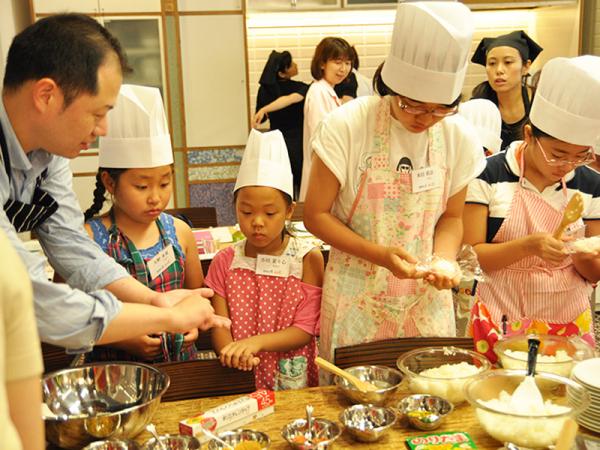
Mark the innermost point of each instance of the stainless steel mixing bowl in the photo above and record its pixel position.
(99, 401)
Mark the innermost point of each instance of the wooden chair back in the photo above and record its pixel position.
(204, 378)
(198, 217)
(385, 353)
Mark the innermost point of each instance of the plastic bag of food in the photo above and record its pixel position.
(584, 245)
(466, 265)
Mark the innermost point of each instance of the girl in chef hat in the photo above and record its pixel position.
(388, 183)
(487, 121)
(159, 250)
(507, 60)
(516, 205)
(269, 284)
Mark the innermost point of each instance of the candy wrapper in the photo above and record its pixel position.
(585, 245)
(441, 441)
(466, 267)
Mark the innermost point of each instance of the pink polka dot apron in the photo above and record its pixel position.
(260, 304)
(363, 302)
(534, 295)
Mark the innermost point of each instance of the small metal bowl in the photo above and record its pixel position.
(113, 444)
(236, 437)
(367, 423)
(386, 378)
(325, 432)
(173, 442)
(423, 411)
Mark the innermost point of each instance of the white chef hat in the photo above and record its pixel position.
(266, 163)
(138, 135)
(429, 52)
(565, 104)
(485, 117)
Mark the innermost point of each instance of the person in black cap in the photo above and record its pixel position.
(282, 99)
(507, 59)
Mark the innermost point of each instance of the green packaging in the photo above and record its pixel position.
(441, 441)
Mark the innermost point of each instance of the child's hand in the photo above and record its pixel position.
(190, 337)
(240, 354)
(400, 263)
(147, 348)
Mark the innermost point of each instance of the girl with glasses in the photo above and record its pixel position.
(388, 183)
(516, 205)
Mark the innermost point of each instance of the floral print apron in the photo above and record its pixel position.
(260, 304)
(363, 302)
(534, 295)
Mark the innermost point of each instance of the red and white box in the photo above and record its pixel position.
(230, 415)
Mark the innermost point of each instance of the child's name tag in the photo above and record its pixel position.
(424, 179)
(275, 266)
(161, 261)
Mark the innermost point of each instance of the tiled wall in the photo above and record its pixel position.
(555, 27)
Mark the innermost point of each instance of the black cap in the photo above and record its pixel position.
(527, 47)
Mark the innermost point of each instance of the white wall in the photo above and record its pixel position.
(14, 17)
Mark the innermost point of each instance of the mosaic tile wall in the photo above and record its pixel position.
(219, 167)
(218, 195)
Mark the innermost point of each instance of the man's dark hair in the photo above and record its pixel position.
(69, 48)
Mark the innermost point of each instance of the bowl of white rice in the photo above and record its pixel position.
(441, 371)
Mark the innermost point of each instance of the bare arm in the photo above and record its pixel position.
(319, 221)
(24, 402)
(496, 256)
(280, 103)
(588, 265)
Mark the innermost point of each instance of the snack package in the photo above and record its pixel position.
(441, 441)
(230, 415)
(584, 245)
(466, 266)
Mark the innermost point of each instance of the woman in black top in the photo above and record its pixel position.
(507, 59)
(282, 99)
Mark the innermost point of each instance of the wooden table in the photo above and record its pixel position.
(289, 405)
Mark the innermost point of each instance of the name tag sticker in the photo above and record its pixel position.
(161, 261)
(424, 179)
(275, 266)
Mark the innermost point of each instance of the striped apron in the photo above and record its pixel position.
(27, 216)
(533, 295)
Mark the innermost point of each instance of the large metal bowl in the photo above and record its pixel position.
(386, 379)
(99, 401)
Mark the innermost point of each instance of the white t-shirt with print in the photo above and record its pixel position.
(345, 137)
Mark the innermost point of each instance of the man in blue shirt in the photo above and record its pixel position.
(63, 75)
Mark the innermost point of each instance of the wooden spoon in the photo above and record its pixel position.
(567, 435)
(361, 385)
(572, 213)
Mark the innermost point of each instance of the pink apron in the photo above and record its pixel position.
(260, 304)
(534, 295)
(363, 302)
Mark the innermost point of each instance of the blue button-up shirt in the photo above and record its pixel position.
(72, 315)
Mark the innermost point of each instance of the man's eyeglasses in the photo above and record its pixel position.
(586, 159)
(441, 111)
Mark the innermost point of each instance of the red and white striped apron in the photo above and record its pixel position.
(536, 296)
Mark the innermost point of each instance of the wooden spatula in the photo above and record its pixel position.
(572, 213)
(361, 385)
(567, 435)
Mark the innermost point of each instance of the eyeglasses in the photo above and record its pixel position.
(442, 111)
(586, 159)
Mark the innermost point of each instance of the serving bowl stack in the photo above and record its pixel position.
(587, 373)
(100, 401)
